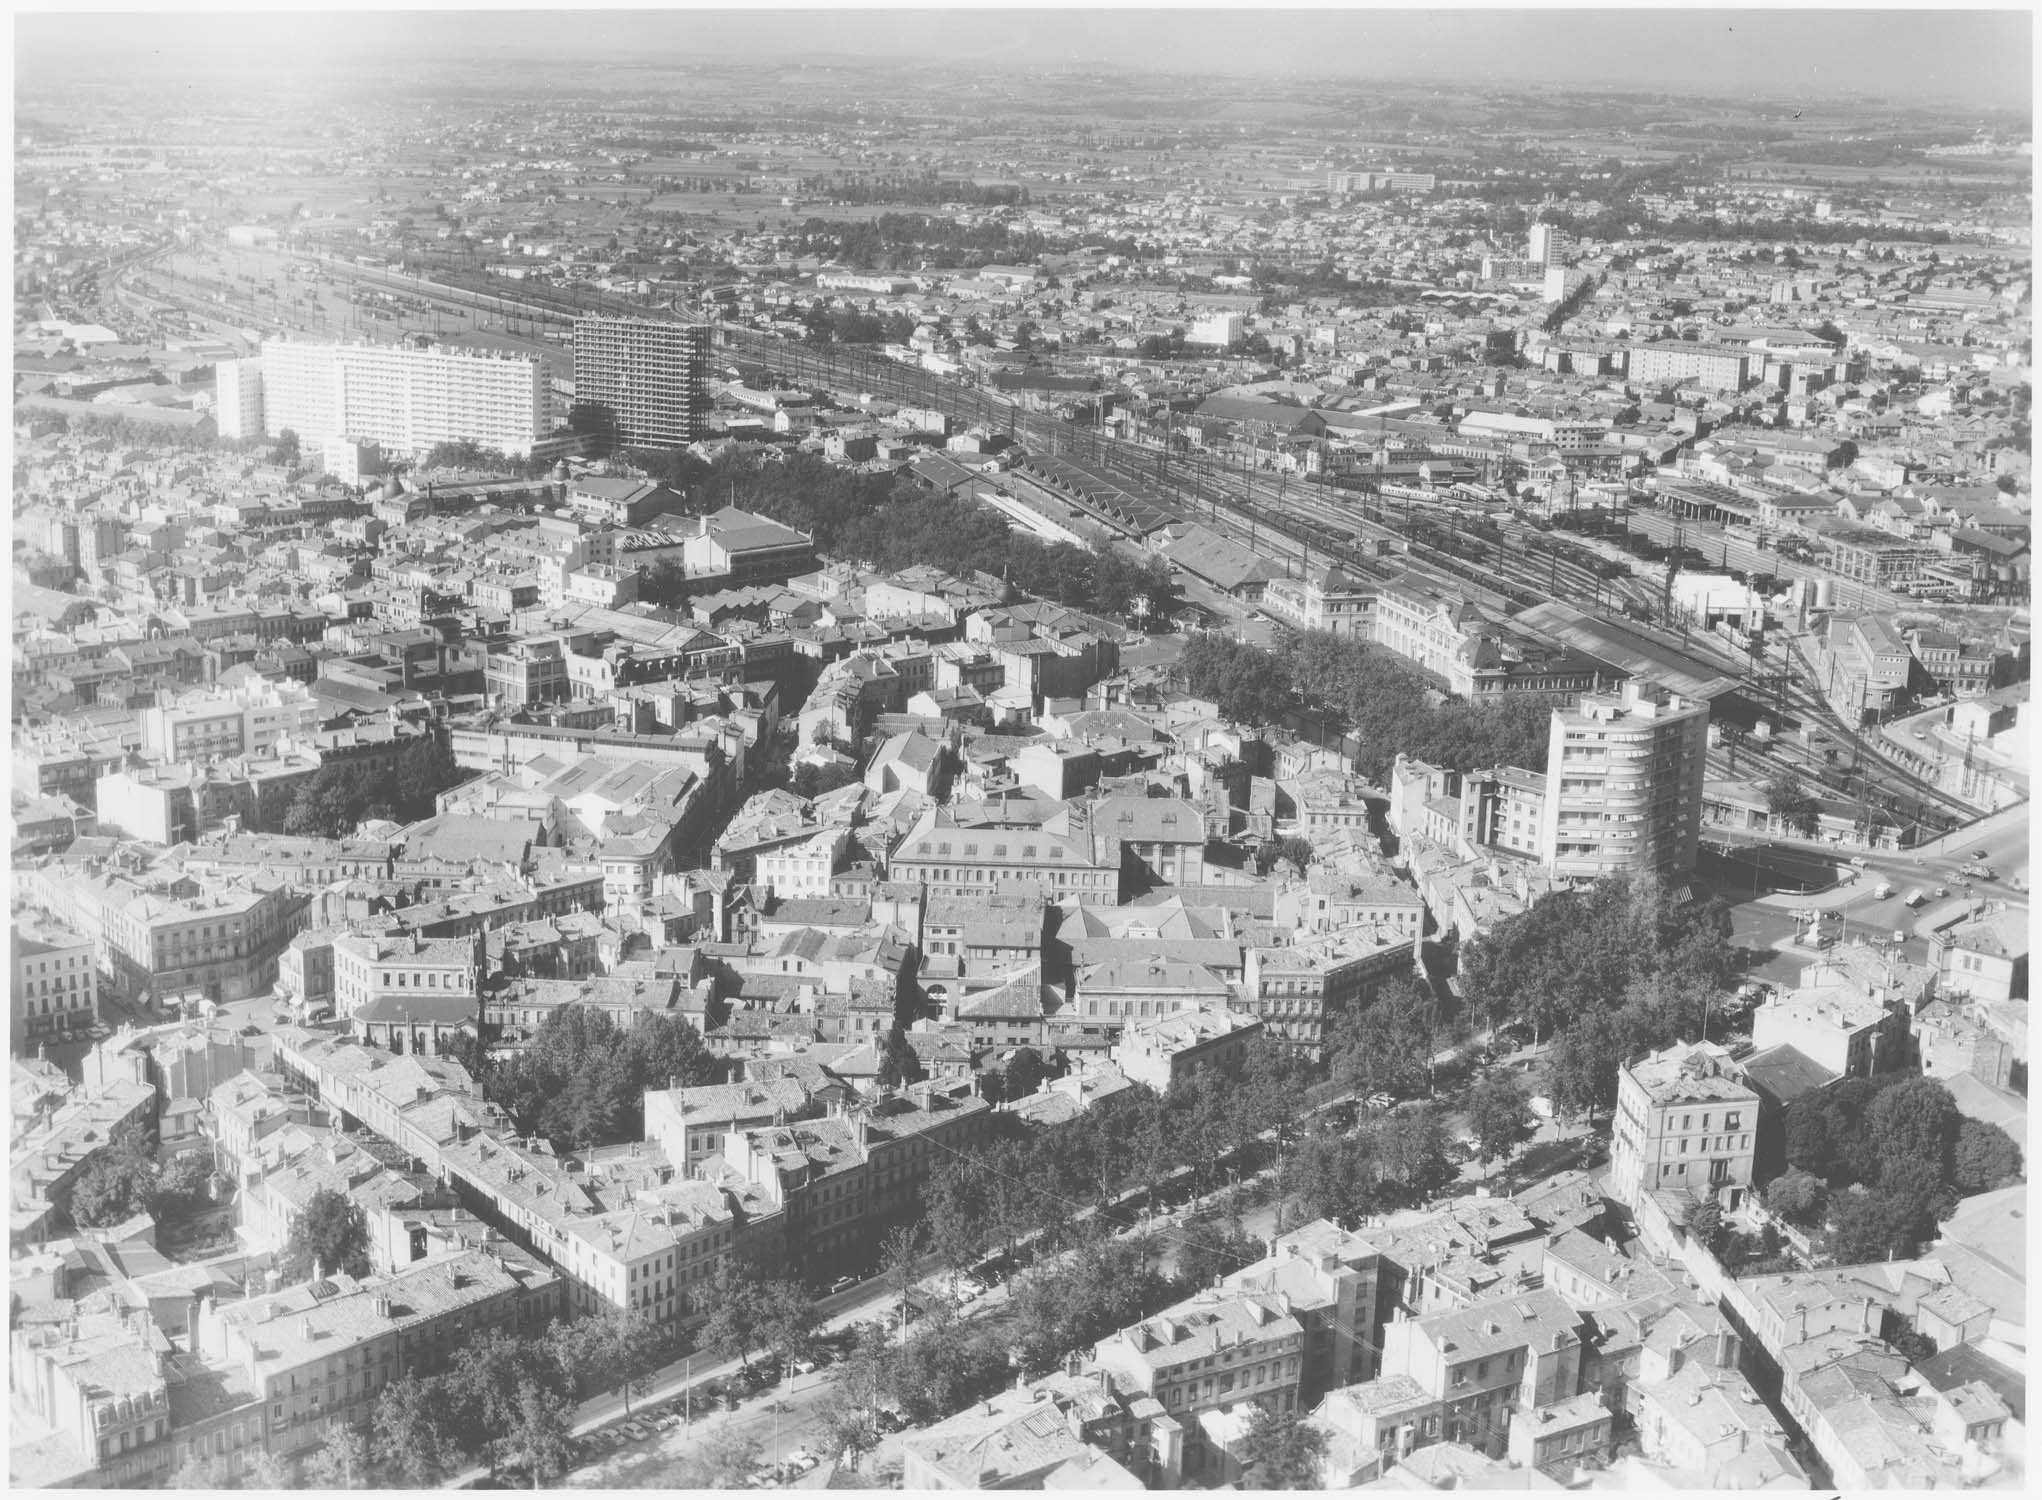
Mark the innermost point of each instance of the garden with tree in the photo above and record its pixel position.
(1878, 1163)
(581, 1079)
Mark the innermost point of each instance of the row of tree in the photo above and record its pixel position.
(501, 1399)
(1025, 1183)
(1611, 971)
(944, 1362)
(1102, 1284)
(890, 523)
(505, 1399)
(1379, 700)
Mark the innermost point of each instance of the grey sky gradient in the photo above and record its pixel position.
(1984, 57)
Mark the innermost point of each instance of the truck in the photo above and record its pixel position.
(1916, 896)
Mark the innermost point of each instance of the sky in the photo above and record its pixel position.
(1985, 56)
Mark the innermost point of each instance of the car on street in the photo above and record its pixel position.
(1942, 891)
(1918, 734)
(1899, 935)
(842, 1284)
(634, 1430)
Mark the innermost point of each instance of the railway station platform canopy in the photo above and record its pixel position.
(1700, 500)
(1630, 651)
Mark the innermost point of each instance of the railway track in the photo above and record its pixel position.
(1444, 543)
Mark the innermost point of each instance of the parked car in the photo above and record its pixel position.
(634, 1430)
(842, 1284)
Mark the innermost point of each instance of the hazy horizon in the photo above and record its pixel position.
(1912, 56)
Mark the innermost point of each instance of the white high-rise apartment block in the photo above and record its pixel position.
(237, 398)
(1624, 784)
(1216, 331)
(404, 400)
(1549, 244)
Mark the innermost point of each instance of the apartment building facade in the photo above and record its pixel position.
(1686, 1122)
(301, 1360)
(232, 721)
(1623, 788)
(1713, 367)
(405, 400)
(639, 382)
(1202, 1361)
(56, 982)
